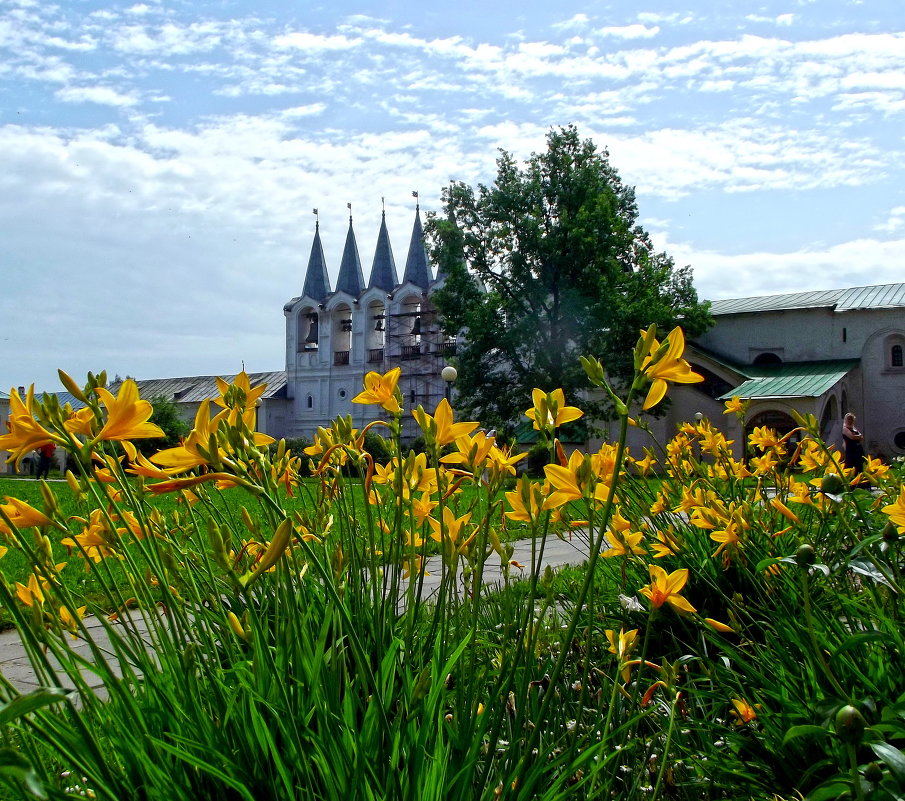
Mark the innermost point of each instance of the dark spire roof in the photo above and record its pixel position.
(383, 271)
(416, 270)
(351, 279)
(317, 282)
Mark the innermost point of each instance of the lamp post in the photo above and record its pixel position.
(449, 374)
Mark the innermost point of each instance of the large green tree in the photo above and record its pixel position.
(544, 266)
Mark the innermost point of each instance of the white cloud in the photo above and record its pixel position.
(893, 223)
(629, 31)
(743, 156)
(312, 43)
(102, 95)
(860, 262)
(575, 22)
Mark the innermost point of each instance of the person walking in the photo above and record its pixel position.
(45, 459)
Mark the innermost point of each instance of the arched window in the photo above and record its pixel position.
(894, 352)
(307, 329)
(766, 357)
(309, 402)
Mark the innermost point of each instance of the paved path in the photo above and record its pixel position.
(15, 665)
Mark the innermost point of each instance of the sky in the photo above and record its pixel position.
(160, 161)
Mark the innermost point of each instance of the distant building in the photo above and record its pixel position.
(823, 353)
(335, 336)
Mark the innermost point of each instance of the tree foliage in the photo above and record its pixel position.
(545, 265)
(166, 415)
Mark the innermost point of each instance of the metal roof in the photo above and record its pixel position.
(792, 379)
(63, 398)
(882, 296)
(194, 389)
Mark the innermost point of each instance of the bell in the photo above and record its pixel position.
(416, 328)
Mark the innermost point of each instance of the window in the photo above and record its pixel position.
(894, 352)
(899, 440)
(767, 358)
(309, 402)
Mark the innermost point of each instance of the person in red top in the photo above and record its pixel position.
(45, 459)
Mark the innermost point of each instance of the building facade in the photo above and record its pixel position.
(821, 353)
(335, 336)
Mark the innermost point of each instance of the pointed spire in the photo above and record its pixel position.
(351, 279)
(383, 270)
(416, 270)
(317, 282)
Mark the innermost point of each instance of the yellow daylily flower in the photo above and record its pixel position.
(81, 422)
(550, 410)
(727, 538)
(623, 541)
(501, 461)
(21, 515)
(93, 541)
(743, 712)
(423, 507)
(188, 456)
(784, 510)
(621, 645)
(472, 451)
(526, 501)
(569, 482)
(666, 545)
(441, 427)
(414, 567)
(451, 527)
(69, 620)
(644, 465)
(25, 433)
(127, 414)
(735, 405)
(31, 593)
(381, 390)
(764, 464)
(874, 468)
(665, 588)
(766, 438)
(669, 365)
(243, 396)
(896, 511)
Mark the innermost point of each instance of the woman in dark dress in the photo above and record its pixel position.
(854, 444)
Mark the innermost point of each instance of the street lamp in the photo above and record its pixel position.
(449, 374)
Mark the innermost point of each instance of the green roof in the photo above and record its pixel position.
(883, 296)
(792, 379)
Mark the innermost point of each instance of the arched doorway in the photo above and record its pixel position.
(781, 422)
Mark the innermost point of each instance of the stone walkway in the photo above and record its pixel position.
(15, 665)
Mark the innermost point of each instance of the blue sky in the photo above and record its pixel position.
(159, 161)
